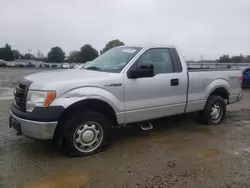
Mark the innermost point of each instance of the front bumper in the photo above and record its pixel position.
(33, 129)
(39, 124)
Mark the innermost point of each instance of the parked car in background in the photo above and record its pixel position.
(19, 65)
(2, 63)
(79, 108)
(11, 64)
(65, 66)
(54, 66)
(44, 65)
(246, 78)
(81, 66)
(78, 66)
(29, 64)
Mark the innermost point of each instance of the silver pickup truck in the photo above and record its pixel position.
(78, 108)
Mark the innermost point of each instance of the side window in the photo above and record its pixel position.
(160, 58)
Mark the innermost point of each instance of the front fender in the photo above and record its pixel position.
(79, 94)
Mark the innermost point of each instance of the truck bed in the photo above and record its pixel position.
(210, 69)
(202, 81)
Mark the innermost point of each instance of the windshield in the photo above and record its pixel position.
(113, 60)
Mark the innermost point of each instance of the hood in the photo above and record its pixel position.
(50, 79)
(64, 75)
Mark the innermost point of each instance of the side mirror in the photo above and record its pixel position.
(143, 71)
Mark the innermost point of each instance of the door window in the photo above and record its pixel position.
(158, 57)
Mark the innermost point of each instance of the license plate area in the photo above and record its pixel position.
(15, 124)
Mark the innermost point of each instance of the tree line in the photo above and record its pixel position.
(88, 53)
(234, 59)
(56, 54)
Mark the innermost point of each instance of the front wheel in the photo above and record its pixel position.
(86, 133)
(214, 111)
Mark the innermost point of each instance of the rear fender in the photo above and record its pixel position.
(219, 83)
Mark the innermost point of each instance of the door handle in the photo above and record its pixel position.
(175, 82)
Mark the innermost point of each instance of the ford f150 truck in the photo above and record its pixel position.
(78, 108)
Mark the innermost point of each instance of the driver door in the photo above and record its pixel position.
(163, 94)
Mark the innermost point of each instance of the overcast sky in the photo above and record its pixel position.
(198, 27)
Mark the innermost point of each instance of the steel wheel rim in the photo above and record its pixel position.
(88, 136)
(216, 113)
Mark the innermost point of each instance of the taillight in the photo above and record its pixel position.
(240, 78)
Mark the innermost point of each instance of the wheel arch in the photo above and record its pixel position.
(220, 91)
(96, 105)
(219, 87)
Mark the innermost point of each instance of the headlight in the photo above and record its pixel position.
(39, 98)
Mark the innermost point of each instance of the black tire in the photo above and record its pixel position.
(206, 115)
(72, 125)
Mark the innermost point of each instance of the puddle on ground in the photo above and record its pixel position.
(206, 152)
(156, 137)
(197, 129)
(161, 136)
(231, 114)
(62, 181)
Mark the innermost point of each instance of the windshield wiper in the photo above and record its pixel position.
(93, 68)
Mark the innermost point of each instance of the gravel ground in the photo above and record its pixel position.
(178, 152)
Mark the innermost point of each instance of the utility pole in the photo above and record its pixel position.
(201, 61)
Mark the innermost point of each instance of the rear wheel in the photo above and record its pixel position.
(86, 133)
(214, 111)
